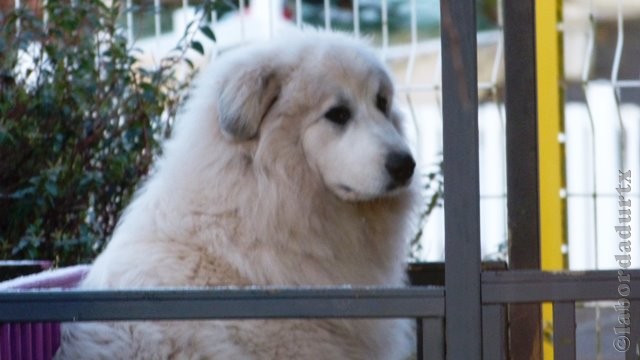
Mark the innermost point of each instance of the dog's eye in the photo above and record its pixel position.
(338, 114)
(382, 103)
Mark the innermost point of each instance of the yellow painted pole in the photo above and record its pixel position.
(551, 151)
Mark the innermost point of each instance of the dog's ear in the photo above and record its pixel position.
(246, 94)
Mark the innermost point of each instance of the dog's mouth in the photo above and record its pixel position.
(350, 194)
(393, 185)
(345, 188)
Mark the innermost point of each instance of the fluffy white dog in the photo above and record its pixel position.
(287, 167)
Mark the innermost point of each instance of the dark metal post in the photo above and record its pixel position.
(494, 332)
(634, 337)
(522, 167)
(461, 180)
(564, 330)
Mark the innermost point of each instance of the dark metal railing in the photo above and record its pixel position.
(221, 303)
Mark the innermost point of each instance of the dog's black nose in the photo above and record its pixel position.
(400, 166)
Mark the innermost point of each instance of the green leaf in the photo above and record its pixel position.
(52, 188)
(206, 30)
(197, 46)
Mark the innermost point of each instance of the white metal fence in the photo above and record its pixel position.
(411, 47)
(602, 130)
(602, 126)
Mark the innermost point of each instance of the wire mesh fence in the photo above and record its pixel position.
(406, 34)
(602, 119)
(601, 82)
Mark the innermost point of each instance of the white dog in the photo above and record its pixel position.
(288, 167)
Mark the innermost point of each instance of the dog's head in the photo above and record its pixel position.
(327, 97)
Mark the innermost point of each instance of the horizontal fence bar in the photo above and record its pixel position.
(221, 303)
(530, 286)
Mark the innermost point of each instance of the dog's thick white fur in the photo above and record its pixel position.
(287, 167)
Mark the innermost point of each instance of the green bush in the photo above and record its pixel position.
(80, 123)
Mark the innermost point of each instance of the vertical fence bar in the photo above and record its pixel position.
(461, 179)
(615, 67)
(589, 60)
(17, 7)
(414, 44)
(156, 18)
(385, 28)
(420, 339)
(522, 168)
(299, 13)
(522, 134)
(356, 17)
(129, 11)
(272, 17)
(432, 339)
(551, 160)
(185, 7)
(241, 11)
(634, 334)
(45, 13)
(494, 332)
(327, 15)
(564, 330)
(615, 72)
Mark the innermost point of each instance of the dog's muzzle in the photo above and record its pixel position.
(400, 166)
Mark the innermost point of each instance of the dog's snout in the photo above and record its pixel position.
(400, 166)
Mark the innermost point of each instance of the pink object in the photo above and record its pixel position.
(36, 341)
(63, 278)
